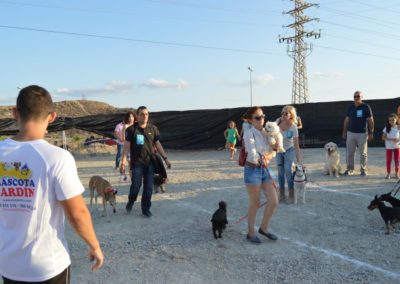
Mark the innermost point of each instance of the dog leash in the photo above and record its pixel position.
(397, 185)
(240, 219)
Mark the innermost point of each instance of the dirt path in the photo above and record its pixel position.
(333, 238)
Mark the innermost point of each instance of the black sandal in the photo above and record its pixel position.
(270, 236)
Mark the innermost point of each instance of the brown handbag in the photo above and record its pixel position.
(242, 157)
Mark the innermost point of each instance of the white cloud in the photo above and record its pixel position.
(264, 79)
(326, 75)
(112, 87)
(163, 84)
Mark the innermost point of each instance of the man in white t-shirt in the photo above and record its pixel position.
(39, 184)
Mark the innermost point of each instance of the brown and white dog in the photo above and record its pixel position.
(105, 190)
(332, 159)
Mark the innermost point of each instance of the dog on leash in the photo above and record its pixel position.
(389, 198)
(332, 159)
(390, 215)
(299, 183)
(219, 220)
(103, 189)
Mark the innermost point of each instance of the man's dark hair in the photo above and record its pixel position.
(140, 108)
(34, 103)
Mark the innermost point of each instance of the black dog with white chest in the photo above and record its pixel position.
(219, 220)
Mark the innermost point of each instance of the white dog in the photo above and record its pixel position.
(332, 159)
(274, 136)
(299, 182)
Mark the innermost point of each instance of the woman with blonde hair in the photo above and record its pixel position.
(257, 176)
(288, 126)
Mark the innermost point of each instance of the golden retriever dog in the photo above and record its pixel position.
(105, 190)
(332, 159)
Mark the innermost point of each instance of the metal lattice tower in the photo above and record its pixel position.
(298, 49)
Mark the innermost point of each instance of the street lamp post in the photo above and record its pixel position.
(251, 86)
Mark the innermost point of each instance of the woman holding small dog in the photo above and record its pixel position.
(257, 176)
(288, 126)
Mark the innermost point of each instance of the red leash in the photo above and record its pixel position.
(261, 205)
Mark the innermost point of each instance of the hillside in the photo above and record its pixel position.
(74, 108)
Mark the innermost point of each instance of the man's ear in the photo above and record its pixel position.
(15, 113)
(52, 116)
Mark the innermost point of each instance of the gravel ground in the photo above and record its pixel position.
(333, 238)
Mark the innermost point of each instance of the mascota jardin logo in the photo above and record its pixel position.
(15, 180)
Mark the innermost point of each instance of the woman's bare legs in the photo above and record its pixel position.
(272, 203)
(254, 203)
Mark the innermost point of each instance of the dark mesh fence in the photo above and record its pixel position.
(197, 129)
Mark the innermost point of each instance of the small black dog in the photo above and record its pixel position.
(389, 198)
(219, 220)
(390, 215)
(160, 174)
(159, 183)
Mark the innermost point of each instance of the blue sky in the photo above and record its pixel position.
(187, 54)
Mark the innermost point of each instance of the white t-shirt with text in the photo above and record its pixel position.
(34, 177)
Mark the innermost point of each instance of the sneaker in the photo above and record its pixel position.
(387, 176)
(270, 236)
(147, 214)
(253, 239)
(129, 207)
(397, 176)
(348, 173)
(363, 173)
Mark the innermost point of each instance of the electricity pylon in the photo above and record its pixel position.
(298, 49)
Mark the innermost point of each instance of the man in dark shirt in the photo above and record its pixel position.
(357, 134)
(141, 138)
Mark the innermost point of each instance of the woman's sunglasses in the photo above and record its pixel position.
(259, 117)
(284, 113)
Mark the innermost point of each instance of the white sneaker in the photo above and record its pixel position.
(387, 176)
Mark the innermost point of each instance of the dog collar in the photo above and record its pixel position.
(109, 189)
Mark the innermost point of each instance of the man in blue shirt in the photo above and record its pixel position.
(358, 129)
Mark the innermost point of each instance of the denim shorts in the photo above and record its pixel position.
(257, 176)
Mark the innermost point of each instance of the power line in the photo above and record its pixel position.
(132, 14)
(358, 52)
(247, 11)
(141, 40)
(374, 8)
(376, 33)
(364, 18)
(360, 41)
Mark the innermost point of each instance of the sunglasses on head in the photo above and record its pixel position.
(259, 117)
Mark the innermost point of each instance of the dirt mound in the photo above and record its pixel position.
(74, 108)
